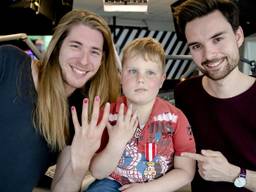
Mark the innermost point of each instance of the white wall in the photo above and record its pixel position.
(249, 52)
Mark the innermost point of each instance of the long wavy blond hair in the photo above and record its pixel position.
(52, 113)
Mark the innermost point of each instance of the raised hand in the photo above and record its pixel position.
(87, 136)
(125, 126)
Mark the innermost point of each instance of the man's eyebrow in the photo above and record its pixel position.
(77, 42)
(217, 34)
(97, 48)
(192, 43)
(212, 37)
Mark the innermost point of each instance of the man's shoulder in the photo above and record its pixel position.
(11, 53)
(8, 48)
(191, 80)
(190, 83)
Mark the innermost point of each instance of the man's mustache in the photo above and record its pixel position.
(206, 62)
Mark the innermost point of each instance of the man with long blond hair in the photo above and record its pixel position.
(79, 65)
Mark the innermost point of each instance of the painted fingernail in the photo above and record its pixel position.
(85, 100)
(97, 98)
(73, 108)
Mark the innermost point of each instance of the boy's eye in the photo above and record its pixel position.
(150, 72)
(132, 71)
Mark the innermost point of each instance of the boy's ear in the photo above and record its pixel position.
(120, 77)
(163, 79)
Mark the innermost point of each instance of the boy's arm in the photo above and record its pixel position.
(181, 175)
(104, 163)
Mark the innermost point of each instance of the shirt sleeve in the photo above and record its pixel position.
(11, 58)
(2, 63)
(183, 136)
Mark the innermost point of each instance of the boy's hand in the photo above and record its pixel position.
(125, 126)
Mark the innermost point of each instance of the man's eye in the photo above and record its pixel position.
(217, 39)
(96, 52)
(74, 46)
(195, 47)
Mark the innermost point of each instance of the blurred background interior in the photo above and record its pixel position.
(34, 21)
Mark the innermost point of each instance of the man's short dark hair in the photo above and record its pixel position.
(191, 9)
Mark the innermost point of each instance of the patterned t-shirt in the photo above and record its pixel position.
(167, 133)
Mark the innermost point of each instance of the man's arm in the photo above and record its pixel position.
(213, 166)
(66, 177)
(74, 161)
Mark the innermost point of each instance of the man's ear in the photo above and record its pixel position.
(239, 34)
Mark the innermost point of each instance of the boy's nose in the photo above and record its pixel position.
(140, 78)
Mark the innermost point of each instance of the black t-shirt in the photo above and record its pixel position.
(25, 155)
(225, 125)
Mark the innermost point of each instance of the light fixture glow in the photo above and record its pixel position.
(125, 6)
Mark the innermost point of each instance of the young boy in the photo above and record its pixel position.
(146, 133)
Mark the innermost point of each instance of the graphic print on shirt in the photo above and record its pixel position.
(135, 166)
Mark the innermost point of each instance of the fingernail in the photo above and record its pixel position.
(72, 108)
(85, 100)
(97, 98)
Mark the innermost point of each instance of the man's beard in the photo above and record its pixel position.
(218, 75)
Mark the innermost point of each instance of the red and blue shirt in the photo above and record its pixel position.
(167, 128)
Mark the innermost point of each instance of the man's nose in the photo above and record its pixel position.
(209, 52)
(84, 58)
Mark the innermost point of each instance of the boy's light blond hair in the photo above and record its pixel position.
(148, 48)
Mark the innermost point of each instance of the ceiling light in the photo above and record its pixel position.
(125, 5)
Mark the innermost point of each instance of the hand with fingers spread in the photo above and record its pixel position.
(75, 159)
(119, 135)
(88, 134)
(124, 128)
(213, 166)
